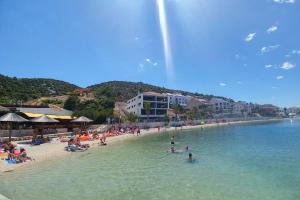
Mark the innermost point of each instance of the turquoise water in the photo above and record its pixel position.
(236, 163)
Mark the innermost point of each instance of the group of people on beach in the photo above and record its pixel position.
(125, 130)
(186, 149)
(11, 154)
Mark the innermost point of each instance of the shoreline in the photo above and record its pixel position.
(55, 150)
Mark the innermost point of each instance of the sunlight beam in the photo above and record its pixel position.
(166, 41)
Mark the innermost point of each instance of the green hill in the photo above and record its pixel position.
(29, 89)
(125, 90)
(25, 89)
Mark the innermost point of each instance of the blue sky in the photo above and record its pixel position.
(246, 50)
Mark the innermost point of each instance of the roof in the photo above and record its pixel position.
(44, 119)
(46, 111)
(153, 93)
(3, 108)
(12, 117)
(82, 119)
(51, 116)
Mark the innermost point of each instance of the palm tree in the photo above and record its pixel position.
(147, 107)
(166, 119)
(192, 114)
(178, 110)
(131, 117)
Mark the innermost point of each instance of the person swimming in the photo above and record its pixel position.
(172, 150)
(187, 148)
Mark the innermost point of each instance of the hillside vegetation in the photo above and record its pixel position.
(26, 89)
(125, 90)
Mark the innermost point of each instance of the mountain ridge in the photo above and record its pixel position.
(13, 89)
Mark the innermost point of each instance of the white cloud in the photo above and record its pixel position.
(287, 66)
(268, 66)
(141, 67)
(272, 29)
(284, 1)
(269, 48)
(250, 37)
(222, 84)
(296, 51)
(148, 60)
(279, 77)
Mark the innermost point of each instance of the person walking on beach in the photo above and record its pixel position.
(103, 139)
(138, 132)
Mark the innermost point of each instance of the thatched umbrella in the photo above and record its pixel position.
(11, 118)
(3, 109)
(43, 120)
(82, 120)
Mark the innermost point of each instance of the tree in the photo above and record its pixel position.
(131, 117)
(72, 102)
(178, 110)
(192, 114)
(147, 107)
(166, 119)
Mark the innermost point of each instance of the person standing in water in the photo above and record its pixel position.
(173, 140)
(190, 159)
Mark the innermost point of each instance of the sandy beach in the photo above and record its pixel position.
(55, 149)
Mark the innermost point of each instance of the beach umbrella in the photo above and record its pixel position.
(44, 119)
(11, 118)
(82, 120)
(4, 109)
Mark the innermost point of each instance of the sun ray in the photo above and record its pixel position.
(166, 40)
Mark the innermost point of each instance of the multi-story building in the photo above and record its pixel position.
(221, 106)
(159, 105)
(178, 99)
(200, 104)
(241, 108)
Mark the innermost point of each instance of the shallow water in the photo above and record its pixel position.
(236, 163)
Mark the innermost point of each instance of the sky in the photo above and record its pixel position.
(241, 49)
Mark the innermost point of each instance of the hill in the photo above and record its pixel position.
(125, 90)
(26, 89)
(51, 91)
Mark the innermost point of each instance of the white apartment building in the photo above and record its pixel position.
(178, 99)
(221, 106)
(241, 107)
(159, 105)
